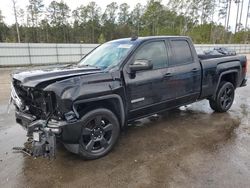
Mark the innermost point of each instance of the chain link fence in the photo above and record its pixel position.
(20, 54)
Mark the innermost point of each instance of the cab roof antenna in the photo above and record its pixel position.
(134, 38)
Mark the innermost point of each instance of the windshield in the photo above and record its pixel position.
(107, 55)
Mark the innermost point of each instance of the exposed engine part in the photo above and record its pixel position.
(43, 140)
(44, 144)
(32, 101)
(34, 126)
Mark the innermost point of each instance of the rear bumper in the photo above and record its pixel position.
(244, 83)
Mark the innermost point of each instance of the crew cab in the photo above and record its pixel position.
(86, 105)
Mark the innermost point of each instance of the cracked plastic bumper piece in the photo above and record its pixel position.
(43, 140)
(44, 144)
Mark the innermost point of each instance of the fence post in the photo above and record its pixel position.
(57, 58)
(81, 50)
(29, 54)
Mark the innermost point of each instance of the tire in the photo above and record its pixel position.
(99, 133)
(224, 97)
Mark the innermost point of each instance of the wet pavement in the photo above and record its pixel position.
(188, 147)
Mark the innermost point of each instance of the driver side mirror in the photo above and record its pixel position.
(141, 64)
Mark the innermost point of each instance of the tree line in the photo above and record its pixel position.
(205, 21)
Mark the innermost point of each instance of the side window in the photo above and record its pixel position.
(182, 52)
(156, 52)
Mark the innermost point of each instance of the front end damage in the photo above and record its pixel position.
(35, 117)
(46, 106)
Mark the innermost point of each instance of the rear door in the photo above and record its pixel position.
(183, 75)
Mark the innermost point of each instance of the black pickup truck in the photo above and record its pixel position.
(85, 106)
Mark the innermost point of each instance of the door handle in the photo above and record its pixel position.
(194, 70)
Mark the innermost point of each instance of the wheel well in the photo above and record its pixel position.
(112, 104)
(230, 77)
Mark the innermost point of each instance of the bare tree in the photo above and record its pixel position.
(241, 10)
(238, 8)
(248, 14)
(17, 25)
(246, 27)
(212, 22)
(34, 10)
(229, 12)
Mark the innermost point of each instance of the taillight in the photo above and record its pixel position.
(244, 68)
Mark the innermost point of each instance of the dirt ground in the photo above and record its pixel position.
(189, 147)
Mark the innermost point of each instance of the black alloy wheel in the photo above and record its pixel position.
(100, 132)
(227, 97)
(224, 98)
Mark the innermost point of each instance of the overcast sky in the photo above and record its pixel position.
(6, 7)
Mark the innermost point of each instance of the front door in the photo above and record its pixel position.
(145, 89)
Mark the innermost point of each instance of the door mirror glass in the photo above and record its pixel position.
(141, 64)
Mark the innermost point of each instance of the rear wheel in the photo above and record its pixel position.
(224, 97)
(100, 131)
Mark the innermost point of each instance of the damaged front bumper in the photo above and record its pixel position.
(42, 134)
(44, 141)
(27, 121)
(42, 131)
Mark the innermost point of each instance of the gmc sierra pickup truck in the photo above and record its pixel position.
(86, 105)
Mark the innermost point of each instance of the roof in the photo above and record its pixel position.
(141, 39)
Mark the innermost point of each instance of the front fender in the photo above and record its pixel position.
(102, 98)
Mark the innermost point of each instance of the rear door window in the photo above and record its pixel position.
(182, 52)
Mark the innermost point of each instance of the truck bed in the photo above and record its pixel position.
(214, 67)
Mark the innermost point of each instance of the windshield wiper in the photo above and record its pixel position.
(87, 65)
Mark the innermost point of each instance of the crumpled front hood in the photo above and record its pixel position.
(34, 78)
